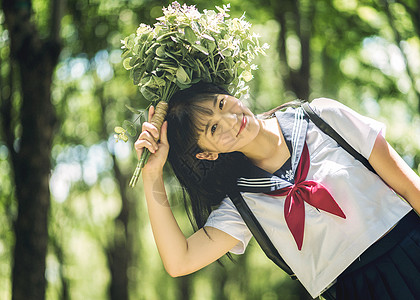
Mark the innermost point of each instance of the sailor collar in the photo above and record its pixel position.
(294, 125)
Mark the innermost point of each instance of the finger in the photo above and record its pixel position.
(141, 144)
(151, 113)
(151, 129)
(164, 133)
(145, 135)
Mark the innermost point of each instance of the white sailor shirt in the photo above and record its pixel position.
(330, 243)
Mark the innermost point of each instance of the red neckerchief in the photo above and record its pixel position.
(309, 191)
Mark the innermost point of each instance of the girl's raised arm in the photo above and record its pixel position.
(395, 172)
(180, 255)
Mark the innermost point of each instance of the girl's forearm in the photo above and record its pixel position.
(170, 240)
(395, 172)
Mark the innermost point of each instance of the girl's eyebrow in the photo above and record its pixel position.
(215, 97)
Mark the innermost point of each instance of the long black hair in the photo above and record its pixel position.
(204, 183)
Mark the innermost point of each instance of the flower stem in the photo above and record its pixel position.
(140, 164)
(157, 121)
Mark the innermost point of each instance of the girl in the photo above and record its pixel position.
(338, 226)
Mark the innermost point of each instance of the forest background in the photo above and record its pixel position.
(70, 228)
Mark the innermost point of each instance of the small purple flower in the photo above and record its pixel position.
(175, 5)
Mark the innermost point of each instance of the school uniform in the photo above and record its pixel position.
(331, 236)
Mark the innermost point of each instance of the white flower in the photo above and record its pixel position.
(143, 28)
(289, 175)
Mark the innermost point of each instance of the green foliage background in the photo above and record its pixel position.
(363, 53)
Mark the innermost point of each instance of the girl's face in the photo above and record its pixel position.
(231, 127)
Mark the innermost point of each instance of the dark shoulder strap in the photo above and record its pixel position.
(328, 130)
(250, 219)
(258, 232)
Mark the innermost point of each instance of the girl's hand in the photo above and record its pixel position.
(158, 146)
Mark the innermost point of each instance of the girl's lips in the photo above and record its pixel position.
(243, 124)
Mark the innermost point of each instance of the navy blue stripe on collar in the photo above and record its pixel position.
(294, 133)
(294, 125)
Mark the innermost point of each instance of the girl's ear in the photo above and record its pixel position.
(207, 155)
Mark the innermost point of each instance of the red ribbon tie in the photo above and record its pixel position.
(307, 191)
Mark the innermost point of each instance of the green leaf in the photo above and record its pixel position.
(182, 76)
(138, 73)
(148, 93)
(200, 48)
(133, 110)
(158, 81)
(145, 80)
(182, 86)
(119, 129)
(125, 53)
(129, 41)
(149, 65)
(195, 80)
(211, 46)
(134, 61)
(200, 64)
(170, 77)
(161, 51)
(190, 35)
(126, 63)
(152, 83)
(171, 18)
(208, 37)
(168, 67)
(166, 35)
(171, 56)
(205, 74)
(130, 128)
(152, 48)
(226, 53)
(136, 48)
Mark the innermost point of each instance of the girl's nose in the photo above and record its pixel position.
(230, 120)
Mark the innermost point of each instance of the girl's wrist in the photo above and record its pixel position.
(152, 175)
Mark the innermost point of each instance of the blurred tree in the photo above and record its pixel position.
(365, 53)
(294, 18)
(28, 123)
(119, 249)
(394, 11)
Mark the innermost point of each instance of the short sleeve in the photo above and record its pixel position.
(359, 131)
(227, 219)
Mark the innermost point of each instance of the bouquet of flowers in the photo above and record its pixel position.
(183, 48)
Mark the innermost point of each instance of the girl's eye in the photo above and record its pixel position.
(213, 128)
(221, 103)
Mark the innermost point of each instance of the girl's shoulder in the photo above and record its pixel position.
(336, 112)
(358, 130)
(328, 105)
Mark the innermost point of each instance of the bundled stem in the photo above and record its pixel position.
(157, 120)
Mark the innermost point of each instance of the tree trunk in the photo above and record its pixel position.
(118, 253)
(289, 15)
(398, 41)
(119, 250)
(184, 287)
(36, 60)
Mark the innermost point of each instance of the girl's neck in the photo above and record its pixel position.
(268, 150)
